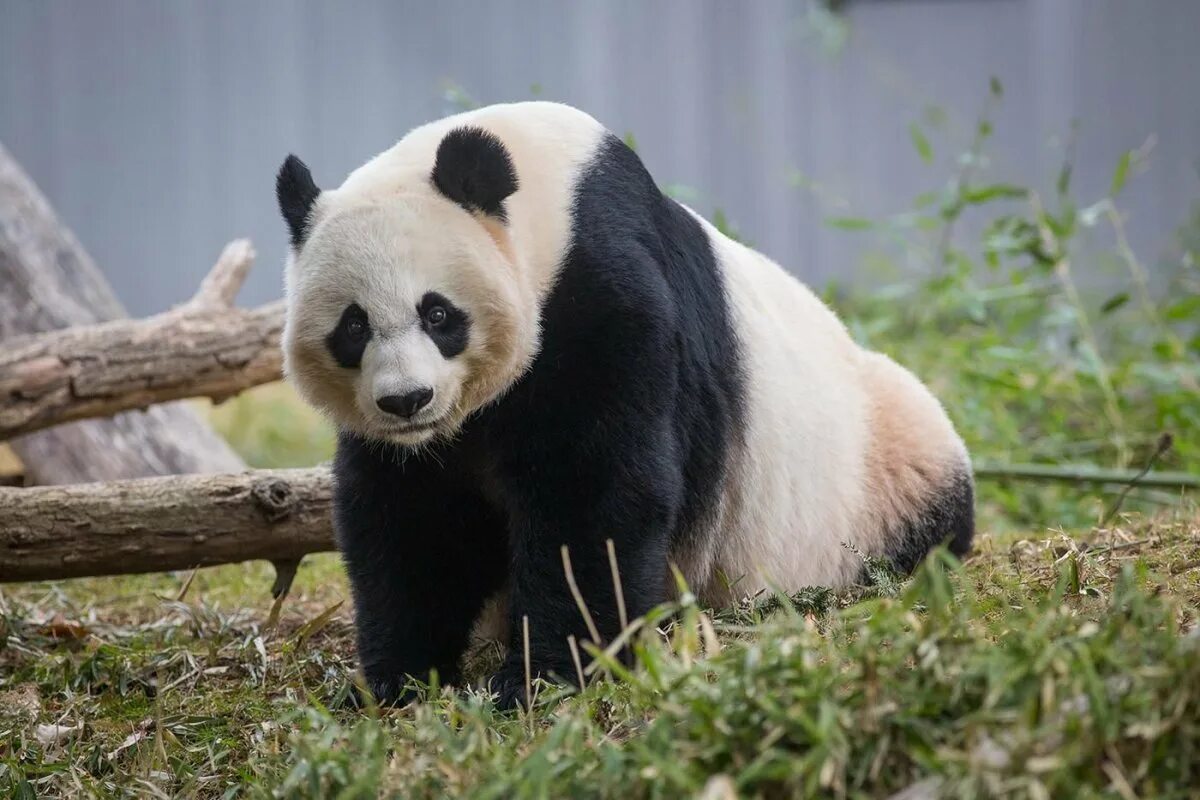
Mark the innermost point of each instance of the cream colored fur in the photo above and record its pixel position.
(842, 444)
(387, 236)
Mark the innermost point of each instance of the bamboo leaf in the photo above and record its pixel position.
(1120, 173)
(850, 223)
(921, 143)
(995, 191)
(1114, 302)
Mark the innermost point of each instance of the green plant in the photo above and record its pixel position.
(1033, 365)
(1049, 664)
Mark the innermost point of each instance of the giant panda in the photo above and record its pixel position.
(525, 345)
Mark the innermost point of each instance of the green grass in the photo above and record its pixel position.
(1043, 667)
(270, 427)
(1062, 660)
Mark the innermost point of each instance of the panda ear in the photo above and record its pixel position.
(473, 168)
(296, 193)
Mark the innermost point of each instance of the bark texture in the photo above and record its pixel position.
(206, 348)
(159, 524)
(47, 282)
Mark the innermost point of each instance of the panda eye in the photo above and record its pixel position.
(436, 315)
(356, 328)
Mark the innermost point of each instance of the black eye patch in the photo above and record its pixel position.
(349, 339)
(445, 323)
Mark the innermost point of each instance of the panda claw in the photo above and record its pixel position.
(380, 694)
(507, 686)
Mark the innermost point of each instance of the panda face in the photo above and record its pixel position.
(402, 316)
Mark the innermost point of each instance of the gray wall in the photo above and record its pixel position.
(156, 127)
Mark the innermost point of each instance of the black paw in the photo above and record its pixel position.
(508, 686)
(358, 697)
(508, 682)
(386, 692)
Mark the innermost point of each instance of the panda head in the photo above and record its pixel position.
(406, 307)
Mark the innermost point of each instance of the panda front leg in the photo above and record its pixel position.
(423, 552)
(582, 495)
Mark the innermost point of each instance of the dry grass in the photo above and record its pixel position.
(118, 686)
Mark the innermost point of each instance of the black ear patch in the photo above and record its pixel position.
(473, 168)
(296, 192)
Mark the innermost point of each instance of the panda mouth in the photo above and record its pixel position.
(420, 427)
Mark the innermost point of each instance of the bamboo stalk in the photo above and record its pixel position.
(1085, 474)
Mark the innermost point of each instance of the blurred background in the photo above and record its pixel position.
(156, 128)
(1004, 195)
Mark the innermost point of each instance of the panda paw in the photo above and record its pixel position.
(359, 697)
(382, 692)
(507, 685)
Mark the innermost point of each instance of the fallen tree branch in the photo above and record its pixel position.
(159, 524)
(47, 282)
(1084, 474)
(185, 521)
(204, 348)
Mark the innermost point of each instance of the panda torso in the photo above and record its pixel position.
(661, 386)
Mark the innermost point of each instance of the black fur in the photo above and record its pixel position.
(423, 549)
(344, 342)
(948, 518)
(621, 430)
(296, 193)
(450, 335)
(473, 169)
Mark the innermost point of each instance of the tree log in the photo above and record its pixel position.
(47, 281)
(159, 524)
(205, 348)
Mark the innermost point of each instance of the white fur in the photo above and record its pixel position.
(806, 482)
(387, 236)
(548, 143)
(797, 483)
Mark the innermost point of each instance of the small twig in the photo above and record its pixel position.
(187, 584)
(181, 679)
(1112, 548)
(617, 588)
(712, 645)
(1117, 777)
(583, 609)
(927, 789)
(616, 644)
(528, 662)
(1163, 445)
(574, 647)
(316, 624)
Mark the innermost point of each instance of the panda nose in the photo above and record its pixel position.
(405, 405)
